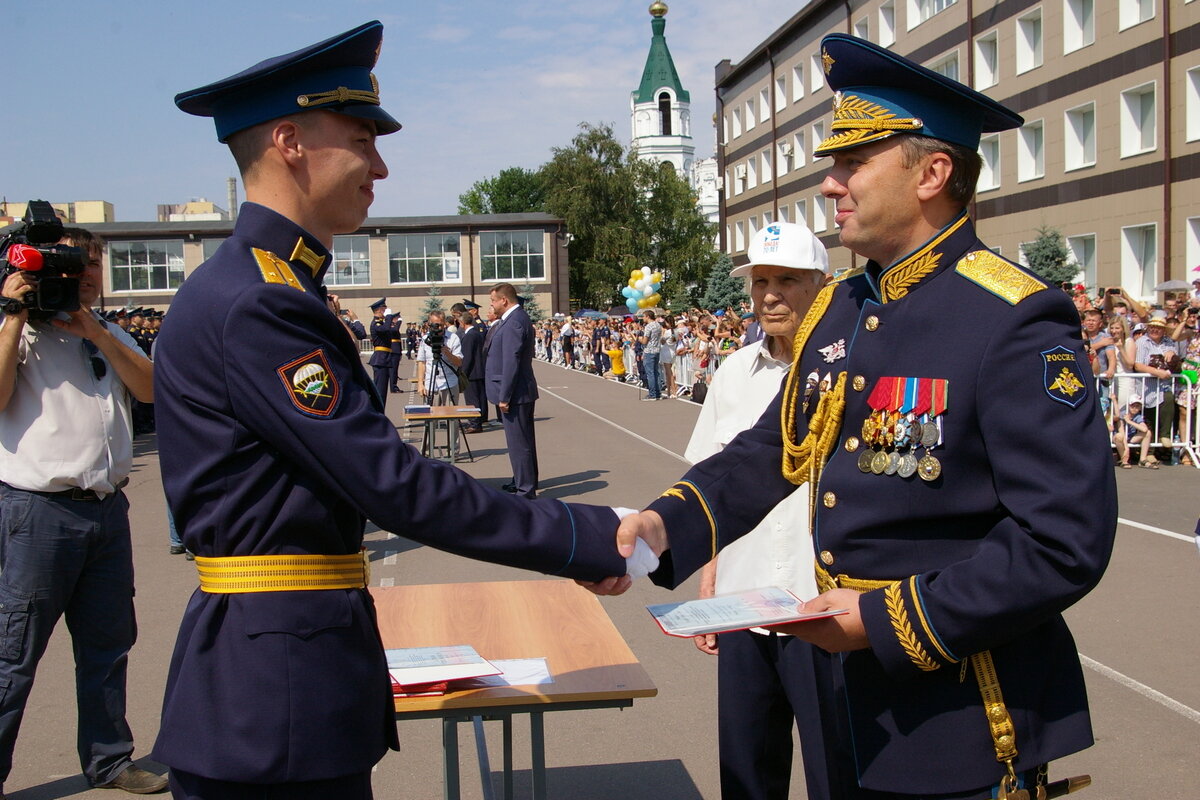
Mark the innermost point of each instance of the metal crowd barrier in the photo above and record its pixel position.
(1184, 432)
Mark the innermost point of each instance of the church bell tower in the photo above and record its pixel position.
(660, 108)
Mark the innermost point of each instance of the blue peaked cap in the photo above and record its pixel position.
(880, 94)
(333, 75)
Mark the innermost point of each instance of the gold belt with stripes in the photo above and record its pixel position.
(283, 573)
(383, 349)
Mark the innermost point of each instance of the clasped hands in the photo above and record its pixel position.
(834, 634)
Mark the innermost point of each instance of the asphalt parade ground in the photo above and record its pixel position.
(598, 444)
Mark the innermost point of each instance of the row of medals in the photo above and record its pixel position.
(898, 436)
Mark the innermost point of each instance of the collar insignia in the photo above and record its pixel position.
(311, 384)
(834, 352)
(306, 256)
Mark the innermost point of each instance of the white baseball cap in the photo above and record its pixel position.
(785, 244)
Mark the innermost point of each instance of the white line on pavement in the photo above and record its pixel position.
(1142, 689)
(1152, 529)
(607, 421)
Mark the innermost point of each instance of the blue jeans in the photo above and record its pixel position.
(653, 376)
(74, 557)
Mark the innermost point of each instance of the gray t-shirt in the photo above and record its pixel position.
(653, 334)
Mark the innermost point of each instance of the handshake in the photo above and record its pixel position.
(641, 539)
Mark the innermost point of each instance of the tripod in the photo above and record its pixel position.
(438, 369)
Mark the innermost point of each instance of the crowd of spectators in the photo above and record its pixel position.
(1144, 358)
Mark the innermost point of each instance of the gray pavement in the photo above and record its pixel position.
(599, 444)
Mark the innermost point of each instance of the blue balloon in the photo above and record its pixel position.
(631, 304)
(655, 287)
(627, 291)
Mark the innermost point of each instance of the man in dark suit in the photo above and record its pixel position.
(508, 353)
(470, 334)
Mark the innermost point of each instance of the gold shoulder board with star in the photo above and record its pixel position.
(274, 269)
(1000, 277)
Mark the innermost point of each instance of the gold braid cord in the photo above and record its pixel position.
(904, 629)
(802, 461)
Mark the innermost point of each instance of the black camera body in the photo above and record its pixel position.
(436, 338)
(32, 246)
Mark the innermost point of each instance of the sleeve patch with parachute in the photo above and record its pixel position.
(311, 384)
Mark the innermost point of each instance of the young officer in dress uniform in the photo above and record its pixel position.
(945, 459)
(275, 450)
(381, 349)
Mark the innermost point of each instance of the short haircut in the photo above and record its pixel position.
(505, 290)
(1093, 312)
(649, 313)
(458, 308)
(85, 239)
(439, 314)
(247, 146)
(966, 164)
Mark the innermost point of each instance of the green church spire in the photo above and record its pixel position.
(660, 69)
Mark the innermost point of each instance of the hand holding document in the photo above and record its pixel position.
(755, 608)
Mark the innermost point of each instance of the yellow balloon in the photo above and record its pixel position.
(652, 300)
(632, 283)
(656, 277)
(636, 275)
(643, 303)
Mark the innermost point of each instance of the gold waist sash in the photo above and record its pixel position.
(283, 573)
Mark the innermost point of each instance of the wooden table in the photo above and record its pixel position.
(448, 414)
(591, 665)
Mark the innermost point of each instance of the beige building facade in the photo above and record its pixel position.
(400, 258)
(79, 212)
(1109, 154)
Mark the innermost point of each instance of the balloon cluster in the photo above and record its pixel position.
(642, 291)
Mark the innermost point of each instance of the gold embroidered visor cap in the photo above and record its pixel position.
(880, 94)
(784, 244)
(333, 75)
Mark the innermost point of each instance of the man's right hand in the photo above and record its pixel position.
(647, 525)
(16, 286)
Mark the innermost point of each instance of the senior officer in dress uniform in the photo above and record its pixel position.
(275, 449)
(945, 458)
(381, 348)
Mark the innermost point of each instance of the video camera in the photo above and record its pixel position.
(436, 338)
(32, 246)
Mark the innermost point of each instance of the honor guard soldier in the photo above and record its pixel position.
(381, 348)
(275, 450)
(941, 411)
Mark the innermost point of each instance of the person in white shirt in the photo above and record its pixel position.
(66, 450)
(439, 379)
(566, 338)
(763, 678)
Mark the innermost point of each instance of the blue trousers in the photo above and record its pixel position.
(522, 447)
(68, 557)
(653, 375)
(186, 786)
(381, 378)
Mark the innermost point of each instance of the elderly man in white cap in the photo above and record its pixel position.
(763, 677)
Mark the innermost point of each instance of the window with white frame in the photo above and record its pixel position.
(737, 122)
(798, 153)
(765, 165)
(739, 235)
(1139, 128)
(423, 257)
(210, 246)
(764, 104)
(1031, 151)
(351, 261)
(921, 10)
(1080, 140)
(1192, 106)
(1079, 24)
(987, 60)
(801, 212)
(725, 128)
(1139, 258)
(784, 157)
(1133, 12)
(739, 178)
(751, 172)
(512, 255)
(1023, 259)
(151, 265)
(818, 135)
(751, 227)
(989, 172)
(783, 214)
(862, 29)
(750, 120)
(728, 238)
(1029, 41)
(820, 218)
(1083, 255)
(1192, 245)
(947, 66)
(797, 82)
(816, 73)
(780, 93)
(887, 23)
(768, 218)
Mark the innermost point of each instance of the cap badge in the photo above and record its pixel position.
(827, 60)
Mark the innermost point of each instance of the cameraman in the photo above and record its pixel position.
(438, 360)
(66, 448)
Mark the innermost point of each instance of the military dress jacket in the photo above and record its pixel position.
(508, 360)
(273, 441)
(381, 337)
(471, 339)
(1017, 526)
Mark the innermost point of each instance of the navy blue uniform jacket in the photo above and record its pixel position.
(472, 351)
(273, 441)
(381, 336)
(509, 361)
(1019, 525)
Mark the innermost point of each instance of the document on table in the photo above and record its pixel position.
(733, 612)
(418, 665)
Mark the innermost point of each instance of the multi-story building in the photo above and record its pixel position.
(1109, 154)
(400, 258)
(79, 212)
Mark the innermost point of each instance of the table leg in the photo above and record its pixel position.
(485, 769)
(508, 760)
(537, 738)
(450, 789)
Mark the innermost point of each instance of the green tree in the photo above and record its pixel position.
(531, 306)
(515, 190)
(432, 303)
(1049, 258)
(721, 290)
(624, 213)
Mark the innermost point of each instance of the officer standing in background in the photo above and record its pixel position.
(946, 461)
(471, 334)
(396, 345)
(381, 348)
(275, 450)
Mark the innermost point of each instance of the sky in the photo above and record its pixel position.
(479, 86)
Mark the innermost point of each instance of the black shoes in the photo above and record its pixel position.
(176, 550)
(136, 780)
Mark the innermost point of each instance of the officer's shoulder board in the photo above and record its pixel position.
(274, 269)
(999, 276)
(848, 274)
